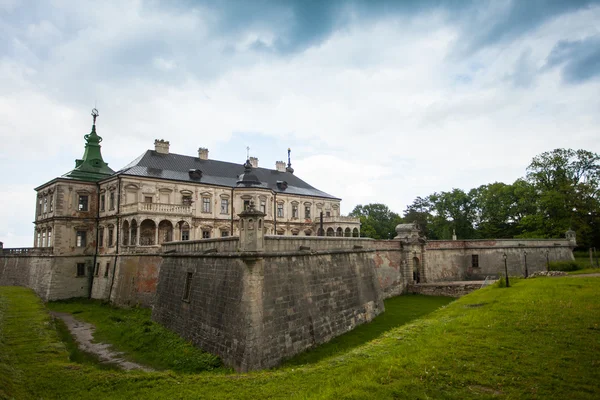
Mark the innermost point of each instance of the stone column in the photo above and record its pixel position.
(156, 234)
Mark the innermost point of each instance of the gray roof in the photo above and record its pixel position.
(176, 167)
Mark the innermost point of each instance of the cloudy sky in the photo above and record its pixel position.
(380, 101)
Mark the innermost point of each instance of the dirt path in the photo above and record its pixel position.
(83, 333)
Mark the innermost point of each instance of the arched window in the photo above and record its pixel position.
(355, 232)
(147, 232)
(347, 232)
(339, 232)
(134, 230)
(330, 232)
(125, 233)
(165, 231)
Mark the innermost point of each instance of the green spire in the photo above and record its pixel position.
(91, 167)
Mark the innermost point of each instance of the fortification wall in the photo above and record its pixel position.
(254, 312)
(131, 279)
(453, 260)
(30, 271)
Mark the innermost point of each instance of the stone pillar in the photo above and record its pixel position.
(156, 234)
(252, 229)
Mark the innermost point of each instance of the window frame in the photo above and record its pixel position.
(225, 206)
(206, 205)
(474, 260)
(102, 202)
(280, 212)
(83, 203)
(80, 238)
(80, 270)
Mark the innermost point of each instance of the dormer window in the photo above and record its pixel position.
(195, 174)
(282, 185)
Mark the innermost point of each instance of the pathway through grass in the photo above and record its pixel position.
(540, 338)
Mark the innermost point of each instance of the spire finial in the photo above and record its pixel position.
(95, 114)
(289, 166)
(247, 152)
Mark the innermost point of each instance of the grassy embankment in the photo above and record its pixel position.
(538, 339)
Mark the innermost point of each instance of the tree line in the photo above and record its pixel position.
(559, 191)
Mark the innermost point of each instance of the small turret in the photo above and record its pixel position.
(252, 237)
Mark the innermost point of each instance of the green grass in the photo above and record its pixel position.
(585, 271)
(540, 338)
(398, 311)
(130, 330)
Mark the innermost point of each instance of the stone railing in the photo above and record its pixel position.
(338, 219)
(27, 251)
(220, 245)
(158, 208)
(316, 243)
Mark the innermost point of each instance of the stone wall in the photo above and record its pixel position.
(448, 289)
(451, 260)
(255, 312)
(30, 271)
(131, 279)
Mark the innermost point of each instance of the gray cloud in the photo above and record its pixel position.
(580, 59)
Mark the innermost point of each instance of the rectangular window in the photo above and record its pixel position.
(107, 269)
(328, 213)
(224, 233)
(294, 211)
(97, 269)
(475, 261)
(111, 232)
(80, 269)
(39, 239)
(206, 204)
(307, 212)
(263, 206)
(101, 238)
(80, 239)
(43, 237)
(185, 235)
(49, 241)
(102, 202)
(280, 210)
(40, 207)
(45, 204)
(51, 203)
(224, 206)
(147, 199)
(83, 203)
(187, 289)
(246, 204)
(205, 234)
(111, 201)
(186, 200)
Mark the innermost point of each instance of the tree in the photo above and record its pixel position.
(567, 187)
(377, 220)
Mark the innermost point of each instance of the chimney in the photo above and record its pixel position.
(203, 153)
(280, 166)
(254, 162)
(161, 146)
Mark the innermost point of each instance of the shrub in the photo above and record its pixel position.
(565, 266)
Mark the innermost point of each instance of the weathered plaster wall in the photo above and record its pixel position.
(452, 260)
(130, 281)
(256, 312)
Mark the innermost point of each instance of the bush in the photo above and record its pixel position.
(565, 266)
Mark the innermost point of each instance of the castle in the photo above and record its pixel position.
(249, 263)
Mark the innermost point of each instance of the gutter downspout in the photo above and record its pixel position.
(93, 274)
(112, 282)
(232, 233)
(275, 214)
